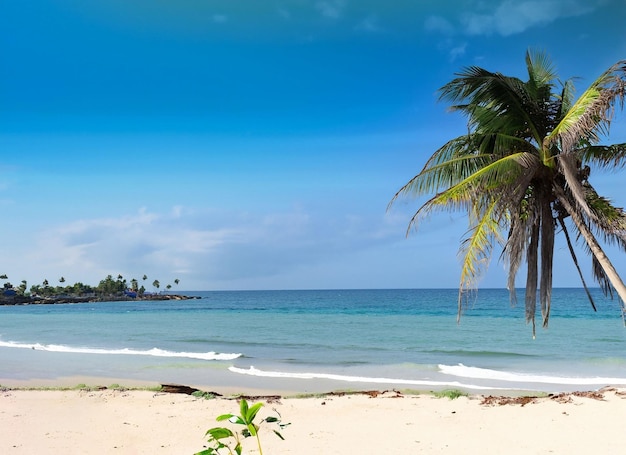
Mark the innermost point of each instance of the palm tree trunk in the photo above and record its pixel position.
(575, 259)
(532, 261)
(595, 248)
(547, 255)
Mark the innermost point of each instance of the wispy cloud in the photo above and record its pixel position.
(369, 24)
(331, 9)
(457, 51)
(285, 14)
(511, 17)
(439, 24)
(219, 18)
(199, 248)
(504, 18)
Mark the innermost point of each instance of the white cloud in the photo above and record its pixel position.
(458, 51)
(369, 24)
(285, 14)
(439, 24)
(512, 17)
(331, 9)
(200, 248)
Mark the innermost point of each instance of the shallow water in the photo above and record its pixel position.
(321, 340)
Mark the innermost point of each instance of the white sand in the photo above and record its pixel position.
(142, 422)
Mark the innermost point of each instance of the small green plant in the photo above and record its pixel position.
(452, 394)
(223, 440)
(205, 395)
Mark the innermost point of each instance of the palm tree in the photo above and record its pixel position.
(22, 288)
(522, 170)
(156, 284)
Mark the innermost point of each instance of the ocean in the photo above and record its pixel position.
(321, 340)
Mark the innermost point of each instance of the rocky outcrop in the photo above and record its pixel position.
(38, 300)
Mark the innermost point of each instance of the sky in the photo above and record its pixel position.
(256, 144)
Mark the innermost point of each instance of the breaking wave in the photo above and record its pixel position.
(154, 352)
(463, 371)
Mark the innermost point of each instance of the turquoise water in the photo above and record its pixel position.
(321, 340)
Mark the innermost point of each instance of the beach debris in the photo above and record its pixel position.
(371, 393)
(266, 398)
(565, 397)
(491, 400)
(178, 388)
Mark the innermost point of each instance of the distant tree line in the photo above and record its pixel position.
(108, 287)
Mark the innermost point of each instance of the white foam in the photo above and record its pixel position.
(336, 377)
(155, 352)
(463, 371)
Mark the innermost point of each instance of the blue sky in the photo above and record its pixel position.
(255, 145)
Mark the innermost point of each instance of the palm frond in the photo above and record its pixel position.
(592, 113)
(608, 221)
(496, 177)
(568, 167)
(566, 98)
(600, 276)
(541, 70)
(476, 248)
(446, 167)
(521, 220)
(613, 156)
(492, 99)
(572, 253)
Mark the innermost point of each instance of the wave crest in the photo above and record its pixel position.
(252, 371)
(463, 371)
(155, 352)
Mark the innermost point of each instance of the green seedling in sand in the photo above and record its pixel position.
(223, 440)
(452, 394)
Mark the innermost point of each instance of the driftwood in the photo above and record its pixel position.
(177, 388)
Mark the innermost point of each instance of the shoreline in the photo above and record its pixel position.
(147, 422)
(273, 388)
(18, 300)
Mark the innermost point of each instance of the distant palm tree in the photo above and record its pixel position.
(22, 288)
(523, 169)
(61, 280)
(4, 277)
(156, 284)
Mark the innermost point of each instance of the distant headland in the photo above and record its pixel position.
(109, 289)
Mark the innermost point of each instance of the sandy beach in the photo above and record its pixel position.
(113, 421)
